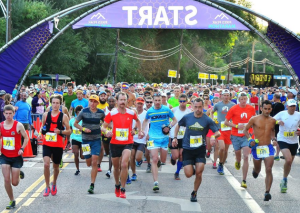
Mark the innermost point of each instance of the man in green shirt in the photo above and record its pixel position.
(70, 96)
(174, 101)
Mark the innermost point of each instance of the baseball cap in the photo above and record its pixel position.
(140, 100)
(291, 102)
(93, 92)
(293, 91)
(225, 91)
(2, 92)
(241, 89)
(242, 94)
(163, 95)
(125, 86)
(102, 92)
(195, 94)
(94, 97)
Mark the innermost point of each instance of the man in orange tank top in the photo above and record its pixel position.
(55, 124)
(12, 150)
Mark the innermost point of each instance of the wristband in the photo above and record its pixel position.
(106, 132)
(213, 136)
(277, 122)
(22, 149)
(236, 126)
(249, 139)
(40, 133)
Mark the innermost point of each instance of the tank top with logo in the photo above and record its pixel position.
(11, 140)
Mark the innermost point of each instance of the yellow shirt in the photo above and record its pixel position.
(102, 106)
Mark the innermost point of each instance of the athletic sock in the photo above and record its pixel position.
(179, 165)
(285, 179)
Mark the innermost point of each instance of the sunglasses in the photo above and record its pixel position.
(206, 99)
(149, 102)
(157, 95)
(182, 101)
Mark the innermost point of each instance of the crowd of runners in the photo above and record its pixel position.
(130, 122)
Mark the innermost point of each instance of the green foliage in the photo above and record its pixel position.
(238, 80)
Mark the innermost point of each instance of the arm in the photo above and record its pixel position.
(67, 131)
(25, 136)
(145, 123)
(273, 136)
(252, 142)
(43, 123)
(174, 121)
(65, 111)
(139, 125)
(107, 133)
(174, 141)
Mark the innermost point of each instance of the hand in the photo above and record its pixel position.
(86, 130)
(174, 142)
(16, 108)
(241, 126)
(108, 134)
(251, 143)
(274, 143)
(166, 129)
(39, 137)
(281, 123)
(141, 135)
(20, 152)
(57, 131)
(212, 141)
(297, 132)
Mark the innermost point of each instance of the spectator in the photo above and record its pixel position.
(254, 100)
(2, 105)
(59, 91)
(30, 96)
(8, 99)
(38, 104)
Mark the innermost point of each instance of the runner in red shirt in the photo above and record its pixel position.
(240, 115)
(53, 128)
(122, 140)
(12, 150)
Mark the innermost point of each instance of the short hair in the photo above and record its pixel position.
(155, 90)
(111, 97)
(107, 91)
(121, 93)
(266, 102)
(9, 108)
(78, 109)
(177, 88)
(183, 96)
(277, 96)
(199, 100)
(69, 84)
(148, 98)
(59, 97)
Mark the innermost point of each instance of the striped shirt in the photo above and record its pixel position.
(91, 121)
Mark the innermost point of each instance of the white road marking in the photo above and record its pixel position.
(185, 205)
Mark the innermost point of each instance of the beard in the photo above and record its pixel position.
(103, 102)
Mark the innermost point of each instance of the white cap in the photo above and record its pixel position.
(163, 95)
(293, 91)
(291, 102)
(241, 89)
(242, 93)
(225, 91)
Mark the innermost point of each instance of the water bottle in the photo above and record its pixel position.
(44, 130)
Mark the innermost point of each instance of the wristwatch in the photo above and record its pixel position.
(22, 149)
(175, 137)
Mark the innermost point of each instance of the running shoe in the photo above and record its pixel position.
(122, 194)
(22, 175)
(207, 154)
(267, 197)
(215, 165)
(128, 181)
(99, 169)
(46, 192)
(237, 165)
(12, 204)
(283, 186)
(91, 190)
(138, 163)
(244, 184)
(148, 170)
(108, 174)
(77, 172)
(277, 158)
(155, 187)
(61, 163)
(220, 169)
(194, 196)
(158, 163)
(53, 190)
(254, 174)
(162, 163)
(117, 191)
(173, 162)
(176, 176)
(134, 177)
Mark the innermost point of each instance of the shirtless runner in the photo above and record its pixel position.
(262, 149)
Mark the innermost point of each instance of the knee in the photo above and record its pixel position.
(124, 165)
(221, 149)
(268, 170)
(94, 162)
(288, 161)
(7, 180)
(154, 160)
(15, 182)
(246, 157)
(199, 174)
(47, 165)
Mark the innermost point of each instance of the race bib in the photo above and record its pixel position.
(224, 127)
(9, 143)
(121, 134)
(76, 131)
(181, 132)
(51, 137)
(196, 141)
(86, 149)
(240, 131)
(262, 151)
(288, 134)
(150, 144)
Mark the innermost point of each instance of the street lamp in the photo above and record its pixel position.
(281, 78)
(253, 52)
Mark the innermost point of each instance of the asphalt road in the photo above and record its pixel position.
(217, 193)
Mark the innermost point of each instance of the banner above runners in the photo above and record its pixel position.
(163, 14)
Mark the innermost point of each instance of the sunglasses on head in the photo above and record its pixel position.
(157, 95)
